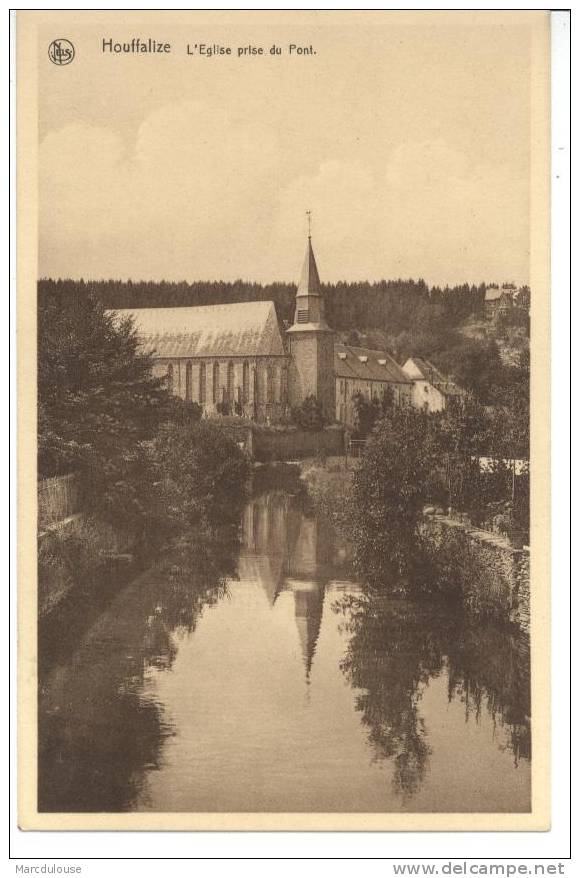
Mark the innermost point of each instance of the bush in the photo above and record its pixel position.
(183, 412)
(201, 476)
(368, 412)
(308, 415)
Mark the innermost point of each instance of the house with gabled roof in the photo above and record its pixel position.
(432, 391)
(499, 300)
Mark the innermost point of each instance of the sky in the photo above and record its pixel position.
(407, 136)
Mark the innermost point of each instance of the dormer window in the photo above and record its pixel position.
(363, 359)
(382, 362)
(342, 355)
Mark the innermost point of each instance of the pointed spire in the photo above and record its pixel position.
(309, 313)
(309, 281)
(308, 606)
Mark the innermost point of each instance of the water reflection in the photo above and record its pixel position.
(396, 648)
(261, 676)
(284, 549)
(99, 729)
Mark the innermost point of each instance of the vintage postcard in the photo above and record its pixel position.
(283, 298)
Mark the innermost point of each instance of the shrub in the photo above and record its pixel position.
(201, 475)
(308, 415)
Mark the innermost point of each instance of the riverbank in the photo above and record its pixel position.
(81, 552)
(492, 576)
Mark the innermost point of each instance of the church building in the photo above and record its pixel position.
(237, 359)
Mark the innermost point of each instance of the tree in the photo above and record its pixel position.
(201, 476)
(523, 298)
(368, 412)
(308, 415)
(97, 395)
(389, 490)
(98, 403)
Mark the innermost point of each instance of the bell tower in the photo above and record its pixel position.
(311, 341)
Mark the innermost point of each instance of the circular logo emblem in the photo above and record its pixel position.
(61, 52)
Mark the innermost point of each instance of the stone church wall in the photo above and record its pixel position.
(252, 387)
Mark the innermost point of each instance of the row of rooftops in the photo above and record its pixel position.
(250, 329)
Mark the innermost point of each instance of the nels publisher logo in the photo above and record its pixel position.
(61, 52)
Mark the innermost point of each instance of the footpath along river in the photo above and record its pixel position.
(259, 677)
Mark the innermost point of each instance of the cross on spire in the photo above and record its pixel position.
(309, 215)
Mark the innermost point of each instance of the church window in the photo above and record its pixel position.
(230, 382)
(283, 386)
(170, 377)
(188, 394)
(257, 388)
(270, 384)
(202, 392)
(216, 382)
(302, 316)
(245, 382)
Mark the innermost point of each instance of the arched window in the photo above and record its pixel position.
(230, 383)
(216, 382)
(170, 377)
(202, 395)
(257, 388)
(270, 384)
(284, 385)
(246, 382)
(188, 394)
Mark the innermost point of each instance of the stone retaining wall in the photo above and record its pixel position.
(494, 576)
(293, 444)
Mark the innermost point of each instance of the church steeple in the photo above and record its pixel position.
(309, 281)
(309, 313)
(311, 341)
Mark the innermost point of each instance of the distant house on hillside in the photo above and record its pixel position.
(431, 389)
(372, 373)
(499, 301)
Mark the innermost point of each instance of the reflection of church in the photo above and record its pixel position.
(285, 551)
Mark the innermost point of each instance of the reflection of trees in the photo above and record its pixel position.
(489, 668)
(396, 647)
(98, 728)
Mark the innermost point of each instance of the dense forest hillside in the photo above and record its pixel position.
(390, 305)
(405, 317)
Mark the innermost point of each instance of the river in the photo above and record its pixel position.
(261, 677)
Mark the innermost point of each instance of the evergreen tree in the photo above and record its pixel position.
(98, 402)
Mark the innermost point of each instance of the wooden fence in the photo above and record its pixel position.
(59, 498)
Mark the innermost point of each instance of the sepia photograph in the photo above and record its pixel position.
(284, 551)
